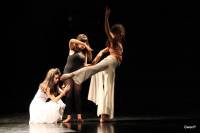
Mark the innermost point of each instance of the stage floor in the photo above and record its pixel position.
(18, 123)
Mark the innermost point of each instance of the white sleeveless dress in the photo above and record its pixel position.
(41, 111)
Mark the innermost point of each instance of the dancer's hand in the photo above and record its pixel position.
(107, 13)
(89, 49)
(66, 89)
(94, 62)
(63, 86)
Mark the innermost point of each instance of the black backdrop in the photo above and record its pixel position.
(159, 73)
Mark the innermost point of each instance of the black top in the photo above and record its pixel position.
(74, 62)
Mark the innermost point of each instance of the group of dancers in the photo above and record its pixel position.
(47, 105)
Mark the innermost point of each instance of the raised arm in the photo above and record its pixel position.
(107, 26)
(81, 45)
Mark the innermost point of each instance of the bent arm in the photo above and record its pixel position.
(60, 90)
(53, 98)
(79, 44)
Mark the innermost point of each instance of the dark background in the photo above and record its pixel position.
(159, 74)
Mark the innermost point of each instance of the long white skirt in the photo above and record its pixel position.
(45, 112)
(102, 84)
(101, 90)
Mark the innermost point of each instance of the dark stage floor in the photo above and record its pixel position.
(18, 123)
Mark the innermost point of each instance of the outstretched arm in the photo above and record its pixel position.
(107, 26)
(99, 55)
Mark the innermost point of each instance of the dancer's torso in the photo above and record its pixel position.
(74, 62)
(117, 52)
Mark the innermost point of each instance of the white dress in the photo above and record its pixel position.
(45, 112)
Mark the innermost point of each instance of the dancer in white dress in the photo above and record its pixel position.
(102, 83)
(43, 111)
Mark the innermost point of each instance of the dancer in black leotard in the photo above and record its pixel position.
(79, 54)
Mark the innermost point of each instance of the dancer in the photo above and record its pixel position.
(43, 111)
(102, 84)
(79, 54)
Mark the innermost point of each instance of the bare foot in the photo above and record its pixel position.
(67, 120)
(104, 118)
(80, 120)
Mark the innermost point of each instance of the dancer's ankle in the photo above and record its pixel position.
(79, 118)
(68, 119)
(104, 118)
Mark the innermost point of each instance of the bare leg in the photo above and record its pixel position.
(84, 73)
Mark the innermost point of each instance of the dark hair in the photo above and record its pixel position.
(118, 30)
(119, 34)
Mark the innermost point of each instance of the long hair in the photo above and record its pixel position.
(48, 81)
(84, 38)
